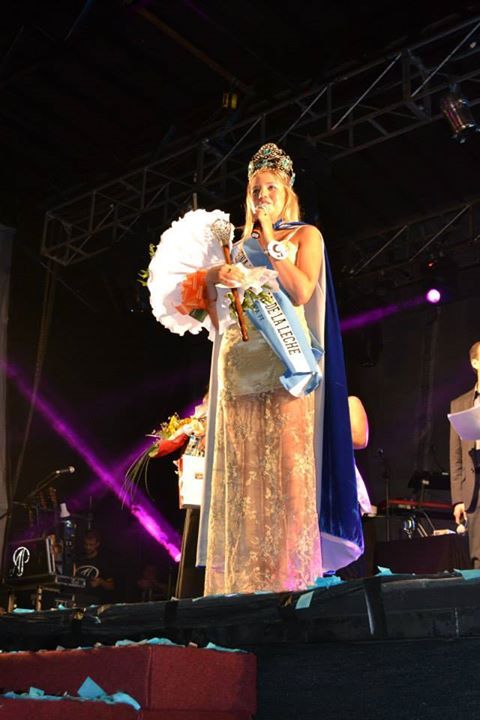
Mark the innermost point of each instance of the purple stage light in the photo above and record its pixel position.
(151, 525)
(168, 384)
(369, 317)
(143, 510)
(433, 296)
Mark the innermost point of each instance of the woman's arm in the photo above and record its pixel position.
(358, 423)
(298, 278)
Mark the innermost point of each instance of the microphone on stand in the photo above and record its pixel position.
(386, 479)
(384, 462)
(70, 469)
(43, 483)
(90, 514)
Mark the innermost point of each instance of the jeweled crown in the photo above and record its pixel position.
(271, 157)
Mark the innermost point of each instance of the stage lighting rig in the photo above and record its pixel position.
(229, 100)
(456, 110)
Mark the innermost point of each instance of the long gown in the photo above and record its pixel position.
(263, 531)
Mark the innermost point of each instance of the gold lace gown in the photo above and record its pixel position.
(263, 529)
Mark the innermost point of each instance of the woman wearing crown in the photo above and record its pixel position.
(280, 504)
(267, 424)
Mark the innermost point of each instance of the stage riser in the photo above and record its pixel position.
(410, 625)
(159, 678)
(413, 680)
(424, 680)
(390, 607)
(20, 709)
(389, 647)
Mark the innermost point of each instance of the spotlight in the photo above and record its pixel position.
(433, 296)
(456, 109)
(439, 280)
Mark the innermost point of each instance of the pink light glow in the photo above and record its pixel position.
(370, 317)
(433, 296)
(143, 510)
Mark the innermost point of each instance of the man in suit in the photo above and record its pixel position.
(465, 466)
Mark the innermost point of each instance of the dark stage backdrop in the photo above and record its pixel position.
(6, 235)
(420, 363)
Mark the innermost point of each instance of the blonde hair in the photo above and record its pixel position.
(290, 210)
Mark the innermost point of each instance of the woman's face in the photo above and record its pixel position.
(267, 190)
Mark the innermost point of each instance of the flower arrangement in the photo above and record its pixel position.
(172, 435)
(171, 427)
(174, 432)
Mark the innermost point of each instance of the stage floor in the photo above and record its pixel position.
(387, 646)
(402, 606)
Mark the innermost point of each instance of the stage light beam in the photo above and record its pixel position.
(142, 509)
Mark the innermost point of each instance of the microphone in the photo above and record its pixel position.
(383, 458)
(256, 222)
(70, 469)
(55, 473)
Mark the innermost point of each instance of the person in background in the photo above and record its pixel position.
(465, 466)
(360, 431)
(149, 585)
(96, 567)
(364, 566)
(358, 423)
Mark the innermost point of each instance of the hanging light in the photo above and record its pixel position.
(456, 109)
(433, 296)
(439, 280)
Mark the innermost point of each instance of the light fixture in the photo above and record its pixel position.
(456, 109)
(439, 280)
(433, 296)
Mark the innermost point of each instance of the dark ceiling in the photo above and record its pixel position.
(90, 88)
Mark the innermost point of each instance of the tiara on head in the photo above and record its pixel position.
(271, 157)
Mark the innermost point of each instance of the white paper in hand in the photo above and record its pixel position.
(467, 423)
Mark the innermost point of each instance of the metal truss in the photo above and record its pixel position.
(375, 103)
(398, 256)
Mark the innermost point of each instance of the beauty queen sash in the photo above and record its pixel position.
(275, 318)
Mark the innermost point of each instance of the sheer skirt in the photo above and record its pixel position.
(263, 526)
